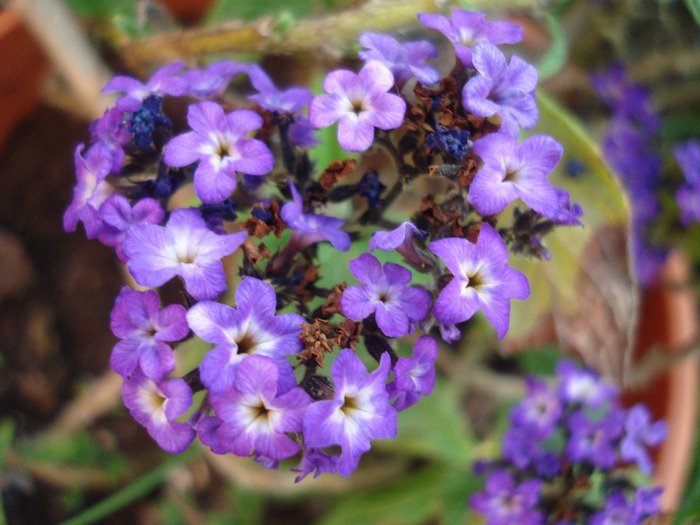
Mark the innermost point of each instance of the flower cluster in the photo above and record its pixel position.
(243, 164)
(566, 457)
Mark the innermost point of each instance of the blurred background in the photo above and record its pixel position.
(68, 448)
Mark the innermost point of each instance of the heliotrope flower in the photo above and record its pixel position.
(403, 60)
(220, 145)
(360, 102)
(539, 411)
(482, 280)
(640, 434)
(582, 386)
(504, 502)
(467, 28)
(688, 195)
(401, 240)
(594, 441)
(506, 90)
(269, 96)
(254, 417)
(512, 171)
(385, 293)
(162, 82)
(118, 215)
(359, 412)
(415, 376)
(90, 191)
(213, 79)
(312, 460)
(108, 132)
(156, 404)
(184, 247)
(143, 329)
(250, 328)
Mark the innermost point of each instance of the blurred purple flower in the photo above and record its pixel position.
(640, 434)
(163, 82)
(404, 60)
(688, 195)
(594, 441)
(505, 503)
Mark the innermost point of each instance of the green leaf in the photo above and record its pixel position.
(101, 9)
(434, 429)
(694, 8)
(556, 55)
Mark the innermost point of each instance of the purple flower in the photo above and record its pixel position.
(359, 412)
(360, 102)
(250, 328)
(290, 100)
(505, 503)
(218, 142)
(415, 376)
(108, 132)
(502, 89)
(118, 215)
(213, 79)
(184, 247)
(310, 228)
(155, 405)
(143, 327)
(401, 240)
(466, 28)
(90, 191)
(568, 213)
(640, 434)
(207, 430)
(617, 512)
(482, 280)
(646, 502)
(594, 441)
(254, 418)
(386, 295)
(163, 82)
(512, 171)
(583, 386)
(403, 60)
(315, 460)
(522, 447)
(539, 411)
(688, 195)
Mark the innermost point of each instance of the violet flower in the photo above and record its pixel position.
(156, 404)
(506, 90)
(640, 434)
(143, 328)
(90, 191)
(512, 171)
(540, 410)
(360, 102)
(482, 280)
(385, 294)
(401, 240)
(594, 441)
(207, 430)
(214, 79)
(254, 418)
(184, 247)
(466, 28)
(315, 460)
(403, 60)
(688, 194)
(108, 132)
(583, 386)
(617, 511)
(504, 502)
(250, 328)
(415, 376)
(270, 97)
(359, 412)
(118, 215)
(218, 142)
(163, 82)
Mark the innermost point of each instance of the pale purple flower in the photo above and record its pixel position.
(90, 191)
(219, 143)
(118, 215)
(310, 228)
(467, 28)
(506, 90)
(401, 240)
(522, 447)
(415, 376)
(403, 60)
(482, 280)
(540, 410)
(688, 195)
(582, 386)
(512, 171)
(315, 460)
(109, 132)
(568, 213)
(207, 430)
(250, 328)
(156, 404)
(143, 328)
(617, 512)
(269, 96)
(184, 247)
(359, 412)
(214, 79)
(504, 502)
(640, 434)
(646, 502)
(594, 441)
(163, 82)
(384, 294)
(254, 418)
(360, 102)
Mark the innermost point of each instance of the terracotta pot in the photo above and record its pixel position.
(22, 66)
(668, 320)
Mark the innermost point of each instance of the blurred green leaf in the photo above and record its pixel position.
(694, 8)
(435, 429)
(540, 361)
(101, 9)
(225, 10)
(558, 51)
